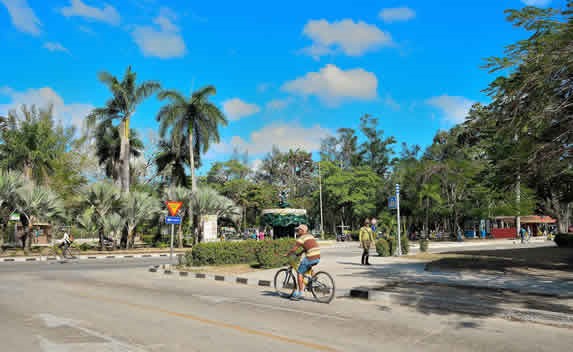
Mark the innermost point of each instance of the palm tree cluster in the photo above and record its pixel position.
(43, 164)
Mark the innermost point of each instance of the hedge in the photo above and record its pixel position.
(382, 247)
(404, 243)
(564, 240)
(266, 254)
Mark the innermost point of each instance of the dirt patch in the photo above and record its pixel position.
(230, 269)
(549, 262)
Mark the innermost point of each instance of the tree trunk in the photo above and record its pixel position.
(124, 155)
(192, 162)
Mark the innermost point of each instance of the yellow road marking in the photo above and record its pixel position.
(214, 323)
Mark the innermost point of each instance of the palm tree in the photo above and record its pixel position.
(177, 193)
(10, 182)
(429, 192)
(113, 224)
(195, 119)
(207, 201)
(37, 203)
(108, 148)
(126, 96)
(139, 206)
(104, 198)
(88, 223)
(170, 165)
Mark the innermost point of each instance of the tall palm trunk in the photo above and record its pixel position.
(124, 155)
(194, 218)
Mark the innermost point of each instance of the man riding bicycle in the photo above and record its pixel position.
(66, 242)
(312, 255)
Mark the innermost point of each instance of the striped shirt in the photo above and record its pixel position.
(310, 246)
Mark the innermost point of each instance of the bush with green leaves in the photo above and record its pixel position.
(266, 254)
(564, 240)
(404, 243)
(424, 245)
(271, 254)
(382, 247)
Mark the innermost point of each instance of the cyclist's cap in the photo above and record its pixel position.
(302, 227)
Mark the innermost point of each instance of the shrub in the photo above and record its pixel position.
(271, 254)
(424, 245)
(382, 248)
(266, 254)
(162, 245)
(404, 243)
(216, 253)
(564, 240)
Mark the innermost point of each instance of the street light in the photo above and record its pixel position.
(320, 198)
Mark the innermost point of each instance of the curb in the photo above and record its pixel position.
(89, 257)
(556, 319)
(215, 277)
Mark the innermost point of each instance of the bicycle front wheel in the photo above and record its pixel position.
(322, 287)
(284, 283)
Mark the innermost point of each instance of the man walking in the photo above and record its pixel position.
(366, 238)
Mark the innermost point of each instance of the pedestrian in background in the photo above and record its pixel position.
(366, 237)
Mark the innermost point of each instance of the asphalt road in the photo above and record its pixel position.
(119, 306)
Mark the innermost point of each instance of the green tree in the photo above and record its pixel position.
(126, 96)
(138, 207)
(36, 203)
(33, 144)
(195, 120)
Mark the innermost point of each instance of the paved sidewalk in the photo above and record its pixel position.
(349, 274)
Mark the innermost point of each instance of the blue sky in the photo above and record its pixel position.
(286, 74)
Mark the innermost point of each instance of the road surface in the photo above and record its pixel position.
(119, 306)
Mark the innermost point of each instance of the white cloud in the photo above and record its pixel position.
(263, 87)
(256, 164)
(54, 46)
(333, 85)
(108, 14)
(397, 14)
(278, 104)
(163, 40)
(391, 103)
(352, 38)
(454, 108)
(236, 108)
(284, 136)
(23, 17)
(69, 114)
(536, 2)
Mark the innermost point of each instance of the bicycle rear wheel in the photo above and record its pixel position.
(285, 283)
(322, 287)
(72, 253)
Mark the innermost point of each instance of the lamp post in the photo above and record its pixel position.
(320, 197)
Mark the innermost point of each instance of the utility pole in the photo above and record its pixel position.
(320, 196)
(399, 249)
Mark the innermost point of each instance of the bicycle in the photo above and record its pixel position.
(67, 253)
(320, 284)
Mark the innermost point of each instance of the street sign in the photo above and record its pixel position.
(14, 217)
(173, 206)
(392, 202)
(173, 220)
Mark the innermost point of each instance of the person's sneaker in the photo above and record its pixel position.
(296, 296)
